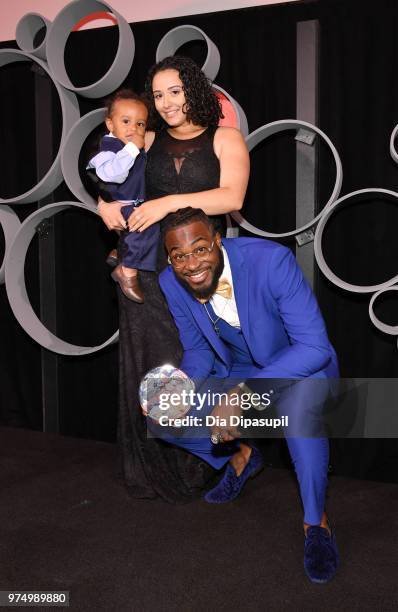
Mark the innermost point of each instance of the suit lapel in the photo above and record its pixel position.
(241, 284)
(205, 324)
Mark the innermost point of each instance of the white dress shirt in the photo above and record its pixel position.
(226, 308)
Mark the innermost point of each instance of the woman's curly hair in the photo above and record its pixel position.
(202, 105)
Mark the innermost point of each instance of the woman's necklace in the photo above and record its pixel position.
(215, 321)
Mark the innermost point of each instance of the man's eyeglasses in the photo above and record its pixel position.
(178, 260)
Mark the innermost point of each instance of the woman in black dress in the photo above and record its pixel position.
(190, 162)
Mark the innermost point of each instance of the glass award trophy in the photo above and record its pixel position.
(166, 391)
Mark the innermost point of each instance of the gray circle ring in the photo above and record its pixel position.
(10, 223)
(58, 35)
(392, 330)
(363, 194)
(263, 132)
(180, 35)
(393, 151)
(16, 288)
(70, 114)
(240, 114)
(71, 150)
(27, 28)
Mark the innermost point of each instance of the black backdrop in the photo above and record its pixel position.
(358, 108)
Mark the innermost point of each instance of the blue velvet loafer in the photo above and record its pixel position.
(230, 484)
(321, 556)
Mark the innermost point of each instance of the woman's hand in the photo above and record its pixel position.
(148, 213)
(111, 215)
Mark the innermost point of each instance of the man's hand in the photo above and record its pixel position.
(111, 215)
(227, 408)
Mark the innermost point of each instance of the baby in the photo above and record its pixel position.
(120, 175)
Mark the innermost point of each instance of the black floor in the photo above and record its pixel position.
(67, 524)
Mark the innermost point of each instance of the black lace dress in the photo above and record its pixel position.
(148, 336)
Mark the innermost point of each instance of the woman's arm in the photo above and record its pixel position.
(231, 150)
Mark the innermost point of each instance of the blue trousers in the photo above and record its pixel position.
(303, 402)
(138, 249)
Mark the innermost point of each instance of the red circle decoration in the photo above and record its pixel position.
(94, 17)
(230, 116)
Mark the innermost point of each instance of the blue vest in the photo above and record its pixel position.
(233, 338)
(133, 187)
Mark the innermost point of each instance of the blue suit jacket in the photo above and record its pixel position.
(279, 315)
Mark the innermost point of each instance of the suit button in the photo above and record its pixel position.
(213, 372)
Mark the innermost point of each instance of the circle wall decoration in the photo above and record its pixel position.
(70, 114)
(16, 288)
(393, 151)
(347, 199)
(240, 116)
(10, 224)
(264, 132)
(58, 36)
(180, 35)
(27, 28)
(387, 329)
(71, 150)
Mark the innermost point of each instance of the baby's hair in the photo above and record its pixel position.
(124, 94)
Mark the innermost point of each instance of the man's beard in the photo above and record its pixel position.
(206, 294)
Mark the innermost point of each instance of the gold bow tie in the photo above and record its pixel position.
(224, 288)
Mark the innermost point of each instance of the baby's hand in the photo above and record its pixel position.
(138, 140)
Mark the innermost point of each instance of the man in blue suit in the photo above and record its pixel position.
(244, 311)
